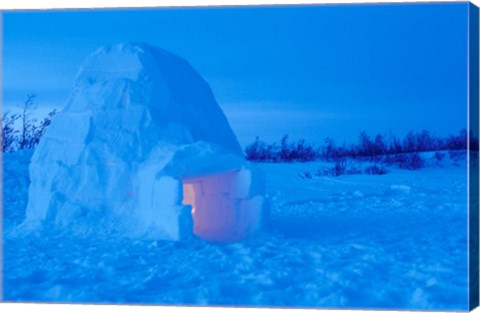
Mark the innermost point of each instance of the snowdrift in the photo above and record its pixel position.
(142, 142)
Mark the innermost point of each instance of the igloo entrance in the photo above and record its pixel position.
(225, 206)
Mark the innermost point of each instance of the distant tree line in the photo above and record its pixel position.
(283, 152)
(387, 148)
(28, 133)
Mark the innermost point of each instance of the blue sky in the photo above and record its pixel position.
(310, 72)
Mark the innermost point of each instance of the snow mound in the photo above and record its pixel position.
(401, 189)
(139, 124)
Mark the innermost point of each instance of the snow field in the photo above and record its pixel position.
(394, 241)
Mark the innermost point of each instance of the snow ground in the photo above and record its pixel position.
(394, 241)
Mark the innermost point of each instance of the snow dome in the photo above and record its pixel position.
(142, 143)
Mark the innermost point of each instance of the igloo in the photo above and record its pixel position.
(142, 143)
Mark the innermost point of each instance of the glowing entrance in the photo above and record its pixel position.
(189, 194)
(225, 206)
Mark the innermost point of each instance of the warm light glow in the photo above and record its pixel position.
(223, 209)
(189, 196)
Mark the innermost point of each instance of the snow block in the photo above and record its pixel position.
(141, 141)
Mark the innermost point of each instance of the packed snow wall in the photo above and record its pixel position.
(139, 122)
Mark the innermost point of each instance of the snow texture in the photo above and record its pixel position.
(395, 241)
(139, 122)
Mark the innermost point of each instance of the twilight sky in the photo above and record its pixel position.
(310, 72)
